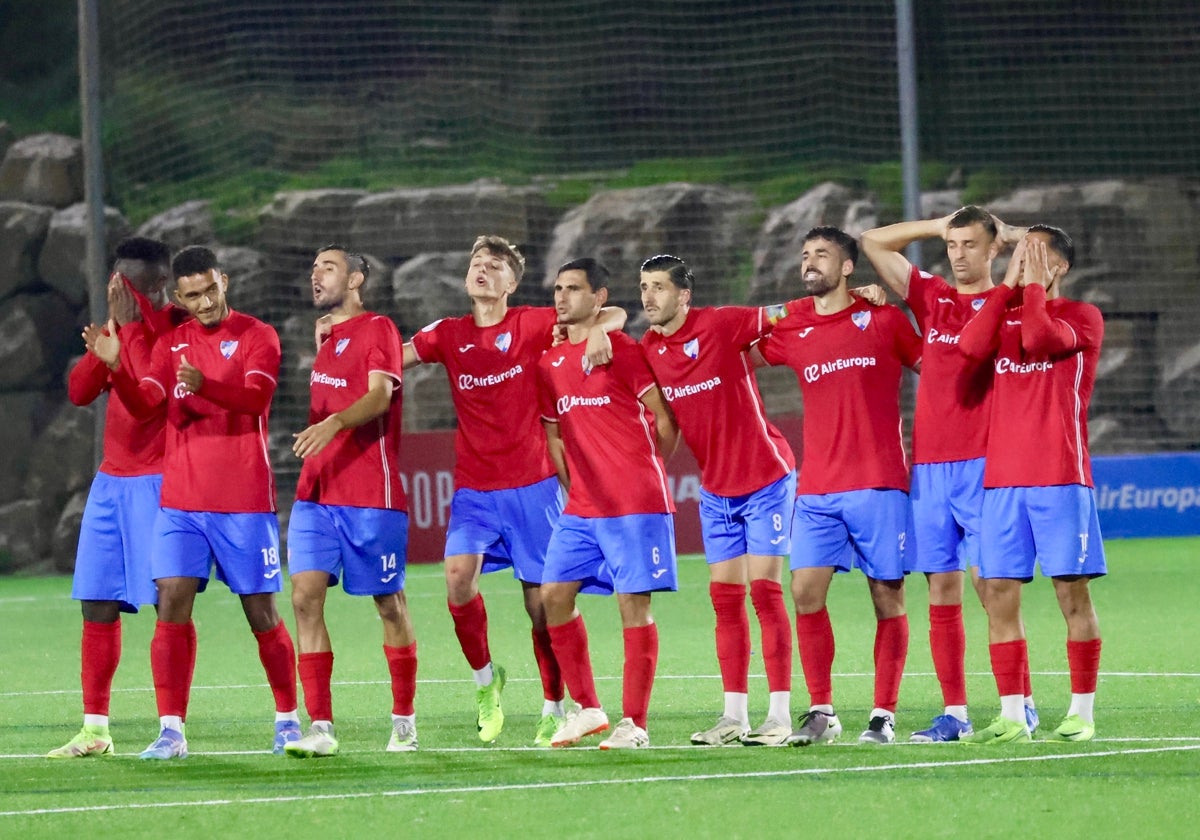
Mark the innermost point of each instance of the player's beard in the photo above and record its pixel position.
(817, 284)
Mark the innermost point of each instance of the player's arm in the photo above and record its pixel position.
(598, 349)
(144, 399)
(1042, 335)
(88, 379)
(411, 359)
(665, 428)
(884, 248)
(366, 408)
(872, 293)
(253, 397)
(558, 452)
(980, 338)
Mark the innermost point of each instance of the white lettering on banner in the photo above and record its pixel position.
(466, 381)
(686, 489)
(688, 390)
(1132, 497)
(569, 401)
(936, 337)
(428, 497)
(326, 379)
(814, 372)
(1009, 366)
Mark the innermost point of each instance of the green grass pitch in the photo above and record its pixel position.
(1139, 777)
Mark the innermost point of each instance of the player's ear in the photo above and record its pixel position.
(601, 297)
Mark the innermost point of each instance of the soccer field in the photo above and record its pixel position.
(1139, 777)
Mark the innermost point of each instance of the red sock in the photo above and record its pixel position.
(100, 651)
(190, 640)
(543, 652)
(1010, 666)
(641, 658)
(1026, 682)
(814, 637)
(1083, 659)
(767, 596)
(733, 635)
(948, 643)
(570, 642)
(891, 650)
(171, 659)
(471, 627)
(316, 674)
(278, 657)
(402, 665)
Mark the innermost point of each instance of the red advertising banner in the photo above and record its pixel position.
(427, 468)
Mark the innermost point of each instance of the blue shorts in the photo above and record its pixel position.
(510, 528)
(626, 554)
(368, 546)
(756, 523)
(112, 562)
(1055, 528)
(244, 547)
(947, 504)
(870, 529)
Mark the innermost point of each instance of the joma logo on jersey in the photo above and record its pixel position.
(814, 372)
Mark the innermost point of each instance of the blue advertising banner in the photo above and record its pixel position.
(1148, 495)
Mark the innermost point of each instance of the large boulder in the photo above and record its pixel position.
(429, 287)
(298, 222)
(427, 401)
(7, 138)
(64, 537)
(43, 169)
(22, 231)
(62, 460)
(24, 541)
(781, 239)
(38, 335)
(63, 261)
(21, 411)
(706, 226)
(190, 223)
(400, 224)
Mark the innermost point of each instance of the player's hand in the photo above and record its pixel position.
(1007, 234)
(1036, 270)
(122, 306)
(1016, 264)
(316, 437)
(599, 348)
(558, 334)
(103, 342)
(322, 330)
(872, 294)
(189, 377)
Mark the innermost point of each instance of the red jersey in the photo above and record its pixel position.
(849, 366)
(1044, 354)
(132, 446)
(954, 395)
(500, 443)
(217, 457)
(609, 434)
(361, 466)
(706, 375)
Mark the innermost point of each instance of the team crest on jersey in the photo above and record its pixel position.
(342, 344)
(228, 348)
(861, 319)
(977, 304)
(586, 365)
(691, 349)
(504, 341)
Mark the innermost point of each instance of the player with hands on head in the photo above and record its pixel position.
(215, 375)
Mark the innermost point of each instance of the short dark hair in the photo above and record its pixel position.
(838, 237)
(504, 249)
(354, 260)
(680, 274)
(597, 274)
(1060, 243)
(194, 259)
(149, 251)
(973, 214)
